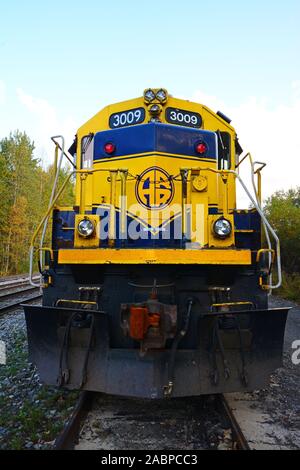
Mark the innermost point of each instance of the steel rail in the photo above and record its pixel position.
(68, 437)
(239, 440)
(7, 295)
(15, 283)
(7, 308)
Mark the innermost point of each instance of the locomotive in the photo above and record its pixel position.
(154, 283)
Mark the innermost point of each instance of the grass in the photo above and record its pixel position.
(290, 288)
(30, 413)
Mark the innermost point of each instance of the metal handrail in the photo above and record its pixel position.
(62, 150)
(57, 170)
(41, 224)
(257, 192)
(44, 220)
(257, 205)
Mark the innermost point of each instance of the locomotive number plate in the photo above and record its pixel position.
(127, 118)
(183, 118)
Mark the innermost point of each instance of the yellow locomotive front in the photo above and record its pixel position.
(155, 284)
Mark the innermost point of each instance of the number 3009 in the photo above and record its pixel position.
(183, 118)
(127, 118)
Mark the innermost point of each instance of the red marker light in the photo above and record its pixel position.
(109, 148)
(201, 148)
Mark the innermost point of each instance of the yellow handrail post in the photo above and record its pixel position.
(123, 204)
(184, 172)
(83, 178)
(112, 215)
(55, 159)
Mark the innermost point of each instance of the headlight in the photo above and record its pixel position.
(155, 109)
(149, 95)
(85, 227)
(222, 228)
(162, 95)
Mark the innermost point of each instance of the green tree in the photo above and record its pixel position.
(4, 207)
(20, 234)
(20, 167)
(25, 189)
(283, 211)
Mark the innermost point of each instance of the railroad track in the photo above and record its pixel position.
(69, 436)
(15, 292)
(12, 283)
(239, 441)
(8, 295)
(13, 306)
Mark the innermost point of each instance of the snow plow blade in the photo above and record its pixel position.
(221, 353)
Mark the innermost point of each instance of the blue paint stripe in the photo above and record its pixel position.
(153, 137)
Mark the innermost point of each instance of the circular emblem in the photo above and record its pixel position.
(200, 183)
(154, 188)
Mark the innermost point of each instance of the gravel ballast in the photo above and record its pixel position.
(31, 414)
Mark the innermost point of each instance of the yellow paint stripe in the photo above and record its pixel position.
(244, 231)
(155, 154)
(149, 256)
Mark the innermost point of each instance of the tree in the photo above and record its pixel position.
(19, 181)
(283, 211)
(4, 207)
(20, 234)
(25, 189)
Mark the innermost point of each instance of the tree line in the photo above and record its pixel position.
(25, 188)
(283, 211)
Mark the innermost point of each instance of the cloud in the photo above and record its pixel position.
(2, 92)
(270, 133)
(46, 121)
(296, 89)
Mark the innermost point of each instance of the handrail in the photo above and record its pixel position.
(43, 221)
(257, 205)
(60, 148)
(50, 207)
(57, 170)
(241, 161)
(257, 192)
(260, 168)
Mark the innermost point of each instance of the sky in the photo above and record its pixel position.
(62, 61)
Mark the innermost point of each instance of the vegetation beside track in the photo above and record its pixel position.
(31, 414)
(283, 211)
(25, 188)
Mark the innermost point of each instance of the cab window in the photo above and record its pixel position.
(87, 151)
(223, 150)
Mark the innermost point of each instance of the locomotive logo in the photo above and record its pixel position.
(154, 188)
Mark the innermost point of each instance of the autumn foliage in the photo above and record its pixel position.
(283, 211)
(25, 188)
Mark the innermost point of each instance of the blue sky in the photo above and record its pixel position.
(61, 61)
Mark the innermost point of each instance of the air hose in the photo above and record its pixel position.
(169, 387)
